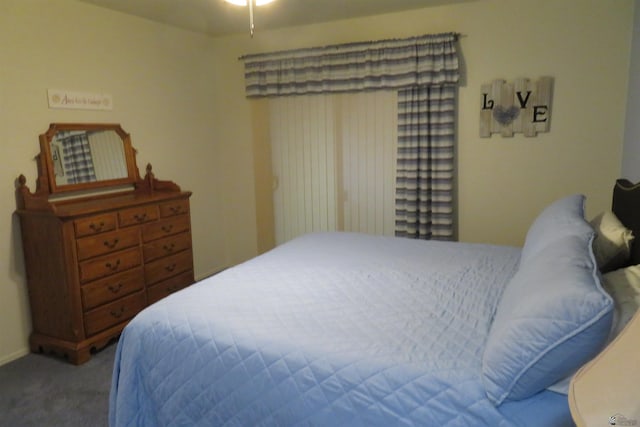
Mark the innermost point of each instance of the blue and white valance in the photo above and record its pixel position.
(385, 64)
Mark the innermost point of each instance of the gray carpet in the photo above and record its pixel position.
(39, 390)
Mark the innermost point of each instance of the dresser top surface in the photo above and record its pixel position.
(107, 202)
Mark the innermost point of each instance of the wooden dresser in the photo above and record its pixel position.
(94, 262)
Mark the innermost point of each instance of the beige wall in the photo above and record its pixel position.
(180, 95)
(631, 150)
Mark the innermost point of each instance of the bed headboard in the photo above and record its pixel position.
(626, 206)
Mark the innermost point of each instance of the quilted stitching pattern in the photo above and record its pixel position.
(329, 329)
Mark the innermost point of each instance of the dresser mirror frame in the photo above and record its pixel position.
(49, 156)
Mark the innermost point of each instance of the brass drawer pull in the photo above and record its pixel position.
(115, 288)
(112, 244)
(170, 268)
(113, 267)
(97, 227)
(167, 228)
(118, 313)
(140, 217)
(175, 209)
(169, 248)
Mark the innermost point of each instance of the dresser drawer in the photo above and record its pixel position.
(95, 224)
(176, 207)
(165, 227)
(104, 243)
(113, 313)
(109, 264)
(113, 287)
(169, 286)
(164, 268)
(137, 215)
(166, 246)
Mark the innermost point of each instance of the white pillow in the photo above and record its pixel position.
(624, 287)
(612, 244)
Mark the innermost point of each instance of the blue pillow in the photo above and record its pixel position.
(553, 316)
(561, 218)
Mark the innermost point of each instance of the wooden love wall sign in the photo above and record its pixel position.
(523, 106)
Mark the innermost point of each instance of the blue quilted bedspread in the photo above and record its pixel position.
(326, 330)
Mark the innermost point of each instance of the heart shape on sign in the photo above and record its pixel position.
(505, 116)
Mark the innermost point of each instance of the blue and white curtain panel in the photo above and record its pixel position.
(425, 165)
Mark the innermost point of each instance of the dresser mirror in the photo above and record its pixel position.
(81, 156)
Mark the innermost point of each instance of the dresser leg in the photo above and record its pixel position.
(80, 356)
(70, 351)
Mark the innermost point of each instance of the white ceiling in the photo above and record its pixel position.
(218, 18)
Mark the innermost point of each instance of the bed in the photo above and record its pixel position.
(345, 329)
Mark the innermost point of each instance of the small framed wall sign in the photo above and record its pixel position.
(79, 100)
(521, 106)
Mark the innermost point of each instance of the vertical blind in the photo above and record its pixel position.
(303, 150)
(333, 159)
(367, 134)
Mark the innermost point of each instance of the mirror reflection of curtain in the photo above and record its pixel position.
(77, 161)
